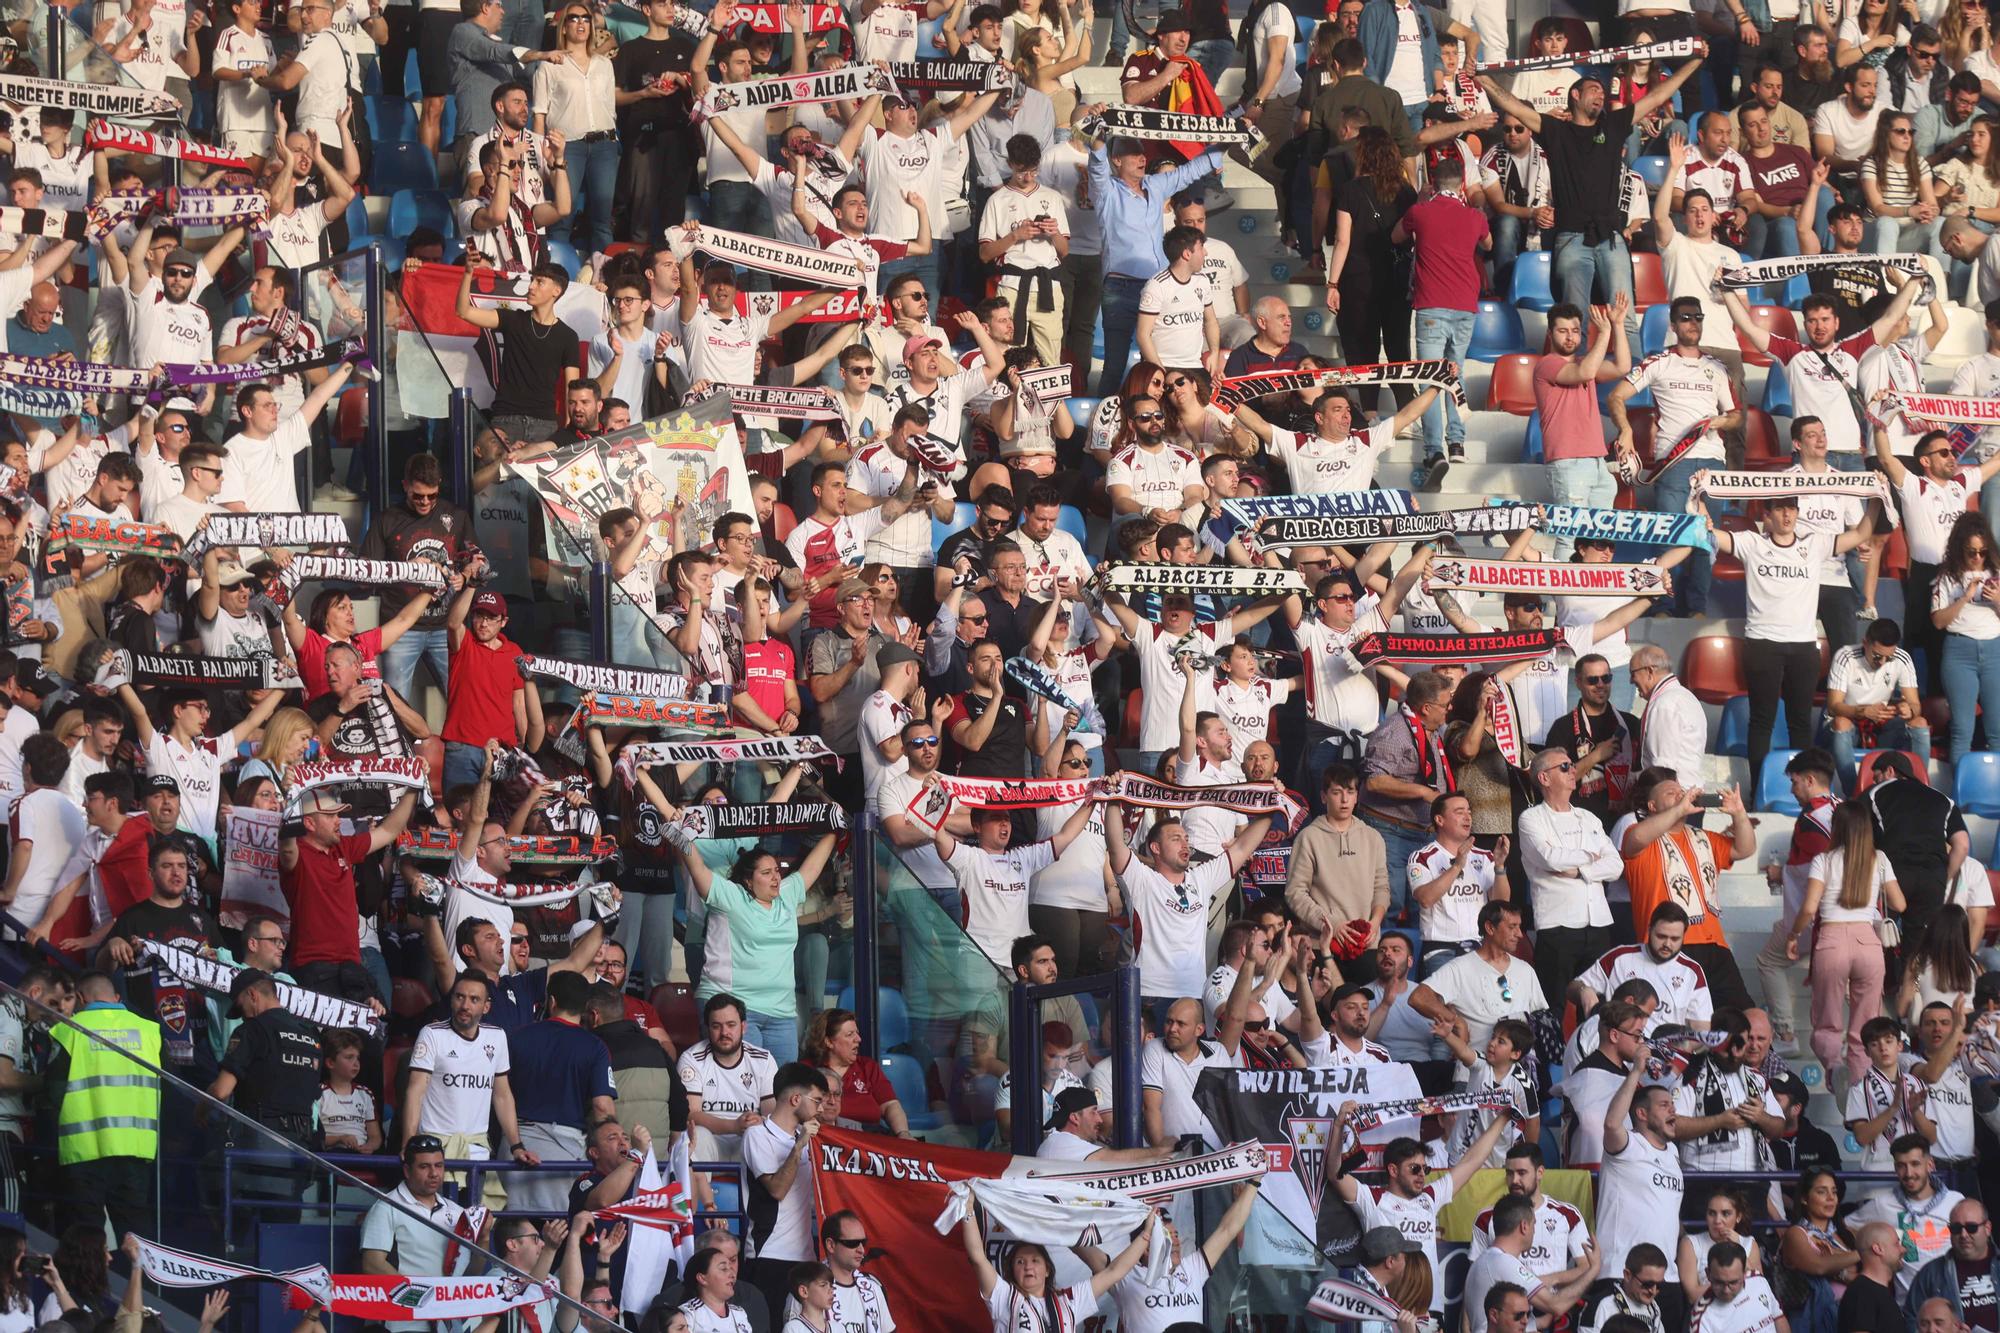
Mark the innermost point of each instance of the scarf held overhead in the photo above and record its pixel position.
(756, 821)
(843, 84)
(1765, 271)
(1314, 530)
(1250, 510)
(814, 403)
(611, 679)
(411, 774)
(1459, 649)
(99, 99)
(952, 76)
(1548, 577)
(1647, 527)
(774, 749)
(254, 673)
(1038, 680)
(216, 977)
(125, 139)
(538, 849)
(1763, 485)
(1050, 1211)
(1237, 579)
(178, 1268)
(268, 530)
(1441, 375)
(354, 570)
(1176, 127)
(1609, 55)
(1255, 799)
(786, 261)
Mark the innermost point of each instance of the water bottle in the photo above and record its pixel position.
(1534, 241)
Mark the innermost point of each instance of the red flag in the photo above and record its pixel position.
(900, 1186)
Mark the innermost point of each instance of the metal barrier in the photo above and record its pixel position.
(1025, 1052)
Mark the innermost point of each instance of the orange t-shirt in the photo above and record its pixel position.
(1647, 876)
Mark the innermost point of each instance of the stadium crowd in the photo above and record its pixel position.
(1365, 790)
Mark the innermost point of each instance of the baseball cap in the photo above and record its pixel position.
(889, 654)
(1379, 1243)
(154, 783)
(321, 803)
(489, 603)
(31, 676)
(229, 573)
(244, 980)
(917, 342)
(181, 255)
(853, 588)
(1069, 1102)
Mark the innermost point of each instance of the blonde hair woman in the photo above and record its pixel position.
(286, 738)
(1045, 59)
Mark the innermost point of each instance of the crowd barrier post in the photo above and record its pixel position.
(867, 943)
(462, 434)
(600, 611)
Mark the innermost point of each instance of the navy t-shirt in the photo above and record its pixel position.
(570, 1067)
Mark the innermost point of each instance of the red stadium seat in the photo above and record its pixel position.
(1512, 388)
(782, 520)
(1761, 446)
(1896, 560)
(679, 1012)
(1864, 776)
(411, 998)
(1135, 707)
(1772, 319)
(351, 425)
(1712, 666)
(1644, 420)
(1649, 282)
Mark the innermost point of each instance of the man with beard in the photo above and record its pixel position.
(1722, 1106)
(1555, 1254)
(1947, 1078)
(1600, 740)
(1403, 1032)
(1348, 1041)
(1335, 457)
(1246, 943)
(1677, 980)
(1670, 858)
(1640, 1184)
(1147, 475)
(168, 321)
(469, 1059)
(1588, 1088)
(1052, 554)
(172, 919)
(1944, 128)
(1916, 1206)
(1766, 91)
(916, 855)
(1811, 81)
(316, 874)
(728, 1083)
(1967, 1280)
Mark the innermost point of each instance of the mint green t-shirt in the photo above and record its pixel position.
(749, 947)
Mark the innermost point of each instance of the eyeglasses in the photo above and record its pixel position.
(628, 300)
(1149, 416)
(1076, 763)
(1594, 680)
(922, 742)
(1338, 597)
(1635, 1034)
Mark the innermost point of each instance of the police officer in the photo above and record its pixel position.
(270, 1071)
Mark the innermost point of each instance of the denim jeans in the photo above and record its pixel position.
(1401, 844)
(1670, 496)
(1576, 264)
(1509, 233)
(462, 763)
(925, 267)
(1894, 735)
(777, 1034)
(1971, 679)
(740, 206)
(1586, 483)
(1900, 235)
(1121, 34)
(399, 659)
(1121, 321)
(1443, 332)
(1214, 56)
(593, 178)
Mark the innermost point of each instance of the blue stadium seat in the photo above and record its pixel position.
(1530, 289)
(1732, 733)
(357, 222)
(1774, 789)
(1652, 170)
(1777, 393)
(1654, 331)
(1070, 519)
(1796, 291)
(454, 249)
(562, 252)
(961, 519)
(1081, 410)
(1496, 331)
(390, 120)
(1302, 48)
(392, 251)
(906, 1076)
(403, 166)
(1976, 784)
(1531, 449)
(410, 209)
(892, 1017)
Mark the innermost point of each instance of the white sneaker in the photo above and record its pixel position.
(337, 493)
(1218, 200)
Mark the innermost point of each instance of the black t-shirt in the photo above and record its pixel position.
(1914, 825)
(131, 629)
(1369, 222)
(1006, 749)
(1586, 167)
(1596, 794)
(153, 992)
(275, 1057)
(968, 543)
(532, 360)
(1854, 290)
(639, 64)
(440, 536)
(1806, 96)
(1870, 1307)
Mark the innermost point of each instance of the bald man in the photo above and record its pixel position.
(1965, 1282)
(1870, 1305)
(34, 331)
(1271, 346)
(1938, 1315)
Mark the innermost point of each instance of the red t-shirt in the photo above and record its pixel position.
(1447, 232)
(1572, 423)
(312, 658)
(645, 1015)
(326, 918)
(864, 1091)
(766, 668)
(479, 695)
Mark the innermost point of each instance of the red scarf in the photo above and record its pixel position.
(1432, 761)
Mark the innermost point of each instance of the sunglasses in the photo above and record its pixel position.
(979, 619)
(1965, 1228)
(1692, 317)
(922, 742)
(179, 272)
(1149, 416)
(859, 370)
(1076, 763)
(1338, 597)
(1594, 680)
(852, 1243)
(178, 428)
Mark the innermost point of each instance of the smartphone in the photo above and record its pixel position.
(1708, 800)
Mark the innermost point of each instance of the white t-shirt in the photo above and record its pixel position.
(1161, 683)
(1976, 619)
(1755, 1307)
(56, 827)
(1853, 136)
(1278, 1006)
(1639, 1199)
(1931, 509)
(1224, 271)
(169, 331)
(1830, 868)
(893, 166)
(1076, 878)
(1180, 307)
(728, 1090)
(1680, 982)
(994, 893)
(1781, 584)
(1339, 692)
(765, 1148)
(897, 790)
(1687, 390)
(1689, 267)
(1415, 1217)
(1490, 1267)
(242, 106)
(1158, 478)
(1172, 924)
(199, 772)
(1276, 21)
(1862, 685)
(458, 1099)
(1210, 827)
(1160, 1070)
(723, 351)
(1319, 466)
(1470, 985)
(1246, 709)
(1014, 1313)
(260, 473)
(1560, 1235)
